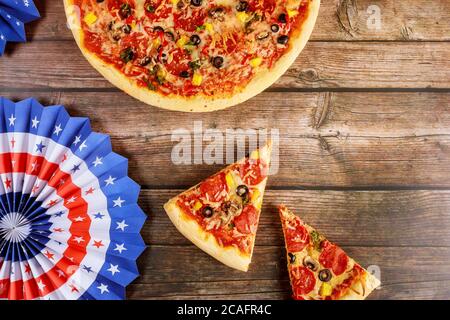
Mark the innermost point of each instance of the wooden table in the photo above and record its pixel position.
(364, 118)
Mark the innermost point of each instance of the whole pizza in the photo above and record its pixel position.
(192, 55)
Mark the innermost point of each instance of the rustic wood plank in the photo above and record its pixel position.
(350, 218)
(336, 65)
(333, 140)
(338, 20)
(167, 273)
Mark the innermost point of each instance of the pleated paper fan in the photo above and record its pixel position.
(69, 219)
(13, 16)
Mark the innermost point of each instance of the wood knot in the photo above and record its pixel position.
(347, 15)
(309, 75)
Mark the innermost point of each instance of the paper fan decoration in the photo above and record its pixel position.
(13, 16)
(69, 222)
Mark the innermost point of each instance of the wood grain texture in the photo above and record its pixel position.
(364, 118)
(326, 139)
(339, 20)
(267, 277)
(322, 65)
(350, 218)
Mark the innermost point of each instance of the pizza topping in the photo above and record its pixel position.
(215, 188)
(325, 275)
(228, 42)
(127, 55)
(125, 11)
(326, 290)
(207, 212)
(247, 220)
(242, 191)
(334, 258)
(297, 238)
(303, 280)
(217, 62)
(292, 257)
(283, 39)
(310, 263)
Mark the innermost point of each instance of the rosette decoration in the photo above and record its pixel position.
(13, 16)
(69, 221)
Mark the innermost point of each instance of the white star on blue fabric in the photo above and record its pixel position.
(118, 202)
(113, 268)
(83, 145)
(103, 288)
(97, 161)
(77, 140)
(121, 225)
(110, 180)
(58, 129)
(120, 248)
(12, 120)
(34, 122)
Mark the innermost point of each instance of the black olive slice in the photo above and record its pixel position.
(242, 6)
(195, 40)
(217, 62)
(282, 18)
(158, 29)
(145, 61)
(169, 35)
(127, 55)
(184, 74)
(325, 275)
(242, 191)
(207, 212)
(126, 28)
(196, 3)
(292, 257)
(275, 28)
(283, 39)
(125, 11)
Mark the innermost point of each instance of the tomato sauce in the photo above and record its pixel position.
(221, 81)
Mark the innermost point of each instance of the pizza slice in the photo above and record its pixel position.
(319, 269)
(220, 215)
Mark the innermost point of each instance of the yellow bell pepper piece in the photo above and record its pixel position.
(209, 27)
(292, 13)
(182, 41)
(90, 18)
(255, 62)
(230, 181)
(325, 290)
(198, 205)
(242, 16)
(197, 79)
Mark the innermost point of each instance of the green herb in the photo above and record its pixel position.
(200, 28)
(150, 8)
(315, 236)
(194, 65)
(231, 225)
(127, 55)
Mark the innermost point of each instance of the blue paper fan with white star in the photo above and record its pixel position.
(13, 16)
(69, 220)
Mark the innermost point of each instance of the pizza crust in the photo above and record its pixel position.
(189, 228)
(201, 103)
(361, 288)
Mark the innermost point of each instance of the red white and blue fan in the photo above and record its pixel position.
(69, 221)
(13, 16)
